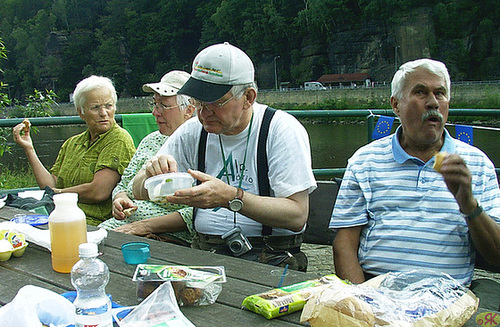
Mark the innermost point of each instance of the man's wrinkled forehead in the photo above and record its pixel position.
(424, 79)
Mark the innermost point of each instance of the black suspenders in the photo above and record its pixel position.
(262, 165)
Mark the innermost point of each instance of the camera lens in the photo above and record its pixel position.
(236, 246)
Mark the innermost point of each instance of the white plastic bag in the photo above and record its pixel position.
(42, 236)
(160, 308)
(413, 298)
(34, 305)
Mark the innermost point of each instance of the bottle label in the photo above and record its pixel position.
(105, 320)
(94, 317)
(92, 311)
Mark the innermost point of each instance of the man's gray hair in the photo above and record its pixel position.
(237, 90)
(90, 84)
(435, 67)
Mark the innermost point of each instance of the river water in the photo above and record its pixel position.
(331, 144)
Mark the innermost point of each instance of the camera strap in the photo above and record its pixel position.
(244, 161)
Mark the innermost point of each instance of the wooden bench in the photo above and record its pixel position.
(321, 203)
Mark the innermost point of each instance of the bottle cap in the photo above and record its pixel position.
(65, 197)
(87, 250)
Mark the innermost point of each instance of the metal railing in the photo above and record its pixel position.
(369, 114)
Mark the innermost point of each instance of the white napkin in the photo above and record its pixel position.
(42, 236)
(37, 194)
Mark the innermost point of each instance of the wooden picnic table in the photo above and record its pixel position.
(244, 278)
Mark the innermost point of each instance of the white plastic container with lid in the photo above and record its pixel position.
(163, 185)
(68, 229)
(90, 276)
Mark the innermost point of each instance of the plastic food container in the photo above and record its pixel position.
(193, 285)
(163, 185)
(5, 250)
(11, 244)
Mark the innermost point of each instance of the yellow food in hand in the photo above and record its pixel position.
(128, 212)
(439, 157)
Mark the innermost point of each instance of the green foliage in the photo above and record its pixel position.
(3, 51)
(16, 178)
(56, 43)
(37, 104)
(471, 44)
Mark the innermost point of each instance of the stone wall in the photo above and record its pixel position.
(463, 94)
(125, 105)
(379, 96)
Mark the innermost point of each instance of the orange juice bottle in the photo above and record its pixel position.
(68, 229)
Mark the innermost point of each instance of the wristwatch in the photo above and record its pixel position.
(474, 213)
(237, 203)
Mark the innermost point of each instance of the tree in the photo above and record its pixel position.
(37, 104)
(56, 43)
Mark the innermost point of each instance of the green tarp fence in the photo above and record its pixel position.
(139, 125)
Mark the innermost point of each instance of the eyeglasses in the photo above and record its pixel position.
(97, 107)
(216, 104)
(160, 106)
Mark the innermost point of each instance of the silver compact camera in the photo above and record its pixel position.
(237, 242)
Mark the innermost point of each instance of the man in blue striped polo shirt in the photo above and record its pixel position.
(394, 212)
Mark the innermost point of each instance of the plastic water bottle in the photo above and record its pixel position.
(90, 276)
(68, 229)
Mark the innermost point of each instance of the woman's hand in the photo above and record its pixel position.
(161, 164)
(22, 137)
(121, 205)
(139, 228)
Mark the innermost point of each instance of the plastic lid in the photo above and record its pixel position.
(33, 220)
(87, 250)
(66, 197)
(173, 176)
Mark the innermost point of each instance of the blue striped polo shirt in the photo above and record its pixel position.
(411, 220)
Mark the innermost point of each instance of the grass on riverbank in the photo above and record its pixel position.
(16, 178)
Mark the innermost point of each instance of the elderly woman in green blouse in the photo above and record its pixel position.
(89, 163)
(170, 111)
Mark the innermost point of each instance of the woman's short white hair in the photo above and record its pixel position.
(183, 101)
(436, 67)
(89, 84)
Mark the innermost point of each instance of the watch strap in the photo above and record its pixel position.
(474, 213)
(239, 194)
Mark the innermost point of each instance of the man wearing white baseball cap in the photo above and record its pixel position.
(170, 110)
(252, 163)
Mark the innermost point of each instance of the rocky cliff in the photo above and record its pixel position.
(373, 47)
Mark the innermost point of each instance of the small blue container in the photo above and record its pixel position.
(135, 252)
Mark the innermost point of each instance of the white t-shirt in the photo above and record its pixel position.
(289, 160)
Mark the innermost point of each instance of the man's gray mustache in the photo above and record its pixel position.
(432, 113)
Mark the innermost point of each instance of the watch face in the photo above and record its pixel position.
(235, 205)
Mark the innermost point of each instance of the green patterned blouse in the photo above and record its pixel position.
(147, 209)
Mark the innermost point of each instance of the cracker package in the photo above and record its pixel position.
(193, 285)
(287, 299)
(406, 299)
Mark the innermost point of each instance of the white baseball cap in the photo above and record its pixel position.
(169, 84)
(215, 70)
